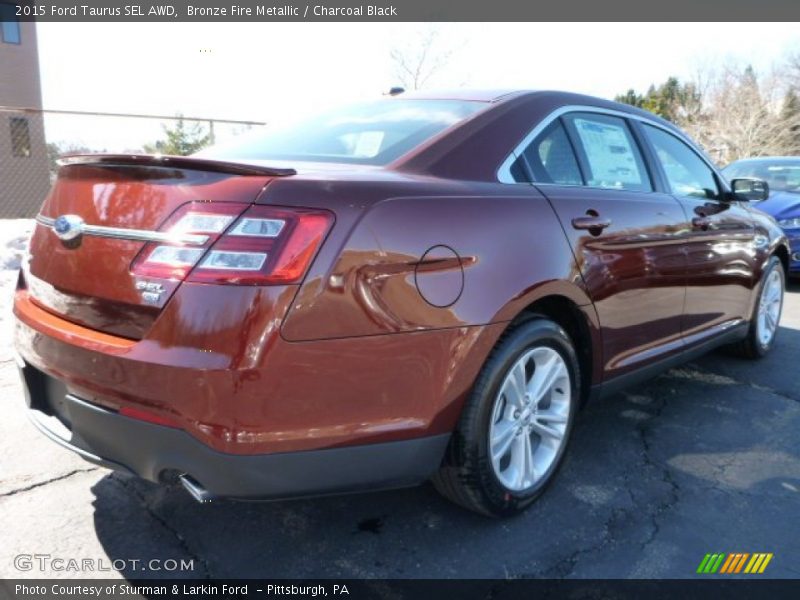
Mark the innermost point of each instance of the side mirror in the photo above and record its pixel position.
(749, 189)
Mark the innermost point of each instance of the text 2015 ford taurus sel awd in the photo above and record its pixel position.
(421, 286)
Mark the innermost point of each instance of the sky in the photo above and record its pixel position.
(273, 71)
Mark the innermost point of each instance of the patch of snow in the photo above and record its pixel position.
(14, 236)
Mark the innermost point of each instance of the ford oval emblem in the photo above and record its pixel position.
(68, 227)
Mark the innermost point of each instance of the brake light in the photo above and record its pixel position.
(173, 258)
(235, 244)
(266, 245)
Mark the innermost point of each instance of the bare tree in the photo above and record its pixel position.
(793, 70)
(416, 64)
(744, 114)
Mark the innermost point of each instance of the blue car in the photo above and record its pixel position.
(782, 173)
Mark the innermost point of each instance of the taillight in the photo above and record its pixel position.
(264, 245)
(174, 257)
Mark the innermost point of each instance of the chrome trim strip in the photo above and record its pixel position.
(138, 235)
(504, 172)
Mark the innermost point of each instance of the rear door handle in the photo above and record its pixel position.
(591, 223)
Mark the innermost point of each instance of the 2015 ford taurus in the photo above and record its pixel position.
(421, 286)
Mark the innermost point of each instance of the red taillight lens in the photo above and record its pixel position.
(301, 247)
(266, 245)
(235, 244)
(173, 258)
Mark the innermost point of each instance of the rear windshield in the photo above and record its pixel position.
(781, 175)
(375, 133)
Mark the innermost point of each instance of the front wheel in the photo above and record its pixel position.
(514, 429)
(766, 314)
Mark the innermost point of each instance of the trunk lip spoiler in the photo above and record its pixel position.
(179, 162)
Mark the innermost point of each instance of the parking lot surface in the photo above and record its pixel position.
(705, 458)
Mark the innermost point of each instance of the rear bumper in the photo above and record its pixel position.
(151, 451)
(245, 390)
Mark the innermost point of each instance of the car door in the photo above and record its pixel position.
(719, 244)
(625, 236)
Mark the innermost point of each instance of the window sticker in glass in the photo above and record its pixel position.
(610, 153)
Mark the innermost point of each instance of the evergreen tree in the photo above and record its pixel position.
(671, 100)
(630, 97)
(182, 140)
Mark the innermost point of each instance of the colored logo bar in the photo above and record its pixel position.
(736, 562)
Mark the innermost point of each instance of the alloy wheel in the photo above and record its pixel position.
(529, 418)
(769, 308)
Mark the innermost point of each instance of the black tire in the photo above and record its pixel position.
(467, 476)
(751, 347)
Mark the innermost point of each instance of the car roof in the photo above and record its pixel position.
(474, 95)
(496, 96)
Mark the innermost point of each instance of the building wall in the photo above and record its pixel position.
(24, 180)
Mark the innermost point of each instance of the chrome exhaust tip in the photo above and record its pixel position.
(197, 491)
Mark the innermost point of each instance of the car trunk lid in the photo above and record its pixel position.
(120, 204)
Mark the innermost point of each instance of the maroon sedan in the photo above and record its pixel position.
(429, 285)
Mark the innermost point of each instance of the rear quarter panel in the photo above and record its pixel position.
(508, 249)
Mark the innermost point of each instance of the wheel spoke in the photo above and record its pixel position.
(502, 439)
(544, 377)
(546, 431)
(518, 377)
(551, 417)
(770, 320)
(530, 471)
(511, 393)
(519, 460)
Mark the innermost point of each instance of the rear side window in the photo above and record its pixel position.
(551, 158)
(688, 175)
(373, 133)
(610, 153)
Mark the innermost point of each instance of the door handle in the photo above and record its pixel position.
(701, 223)
(594, 224)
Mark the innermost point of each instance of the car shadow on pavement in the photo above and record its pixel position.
(655, 477)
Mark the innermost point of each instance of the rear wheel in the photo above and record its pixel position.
(514, 429)
(766, 314)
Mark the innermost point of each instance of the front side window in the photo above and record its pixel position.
(610, 152)
(687, 174)
(551, 158)
(9, 26)
(374, 133)
(20, 137)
